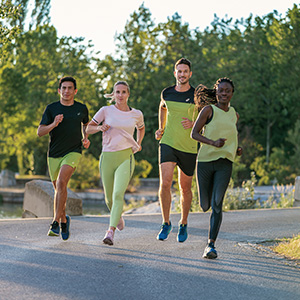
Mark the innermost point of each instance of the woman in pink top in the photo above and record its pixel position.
(117, 123)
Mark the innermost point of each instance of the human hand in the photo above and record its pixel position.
(186, 123)
(159, 133)
(86, 143)
(219, 143)
(58, 119)
(239, 151)
(103, 127)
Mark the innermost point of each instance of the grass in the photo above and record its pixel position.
(290, 248)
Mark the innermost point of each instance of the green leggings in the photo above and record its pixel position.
(116, 169)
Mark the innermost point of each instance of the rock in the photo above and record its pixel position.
(7, 178)
(297, 192)
(38, 200)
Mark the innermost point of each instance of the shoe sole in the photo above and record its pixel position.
(210, 255)
(51, 233)
(179, 241)
(108, 241)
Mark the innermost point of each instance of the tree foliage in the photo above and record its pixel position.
(260, 55)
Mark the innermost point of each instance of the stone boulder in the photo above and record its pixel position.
(38, 200)
(297, 192)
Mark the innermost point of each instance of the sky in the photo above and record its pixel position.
(100, 20)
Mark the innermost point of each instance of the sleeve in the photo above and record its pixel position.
(47, 117)
(140, 121)
(86, 115)
(99, 116)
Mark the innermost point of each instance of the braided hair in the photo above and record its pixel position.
(204, 96)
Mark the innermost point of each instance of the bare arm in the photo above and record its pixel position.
(85, 141)
(162, 119)
(140, 136)
(45, 129)
(204, 115)
(93, 127)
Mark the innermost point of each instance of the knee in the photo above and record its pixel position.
(61, 184)
(205, 206)
(165, 184)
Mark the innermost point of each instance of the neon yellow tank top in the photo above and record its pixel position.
(222, 125)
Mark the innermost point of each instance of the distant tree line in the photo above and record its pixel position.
(260, 55)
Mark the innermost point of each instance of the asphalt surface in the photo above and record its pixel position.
(137, 266)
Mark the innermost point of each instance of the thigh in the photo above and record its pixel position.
(185, 181)
(166, 171)
(64, 175)
(222, 177)
(205, 181)
(123, 175)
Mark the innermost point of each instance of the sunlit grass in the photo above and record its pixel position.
(289, 247)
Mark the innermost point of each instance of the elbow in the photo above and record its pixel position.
(192, 135)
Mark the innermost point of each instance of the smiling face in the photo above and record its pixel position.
(182, 74)
(121, 94)
(224, 93)
(67, 91)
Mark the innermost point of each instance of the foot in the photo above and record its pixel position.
(210, 251)
(54, 229)
(109, 237)
(65, 229)
(121, 224)
(164, 231)
(182, 233)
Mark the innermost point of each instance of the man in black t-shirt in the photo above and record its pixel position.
(65, 121)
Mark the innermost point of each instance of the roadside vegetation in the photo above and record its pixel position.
(289, 247)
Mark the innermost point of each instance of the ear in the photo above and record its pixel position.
(76, 91)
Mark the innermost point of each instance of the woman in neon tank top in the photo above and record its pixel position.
(117, 124)
(216, 129)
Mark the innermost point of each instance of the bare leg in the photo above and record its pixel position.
(166, 171)
(60, 197)
(186, 195)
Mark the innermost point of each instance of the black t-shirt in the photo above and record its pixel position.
(67, 136)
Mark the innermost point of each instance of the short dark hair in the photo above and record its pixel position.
(68, 78)
(184, 61)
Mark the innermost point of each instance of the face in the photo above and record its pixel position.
(182, 74)
(224, 92)
(121, 94)
(67, 91)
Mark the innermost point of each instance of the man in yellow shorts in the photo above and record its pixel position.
(65, 121)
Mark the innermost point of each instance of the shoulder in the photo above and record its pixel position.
(167, 90)
(79, 104)
(137, 111)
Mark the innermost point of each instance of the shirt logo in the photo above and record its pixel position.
(78, 114)
(187, 100)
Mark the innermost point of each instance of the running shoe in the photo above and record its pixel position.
(210, 251)
(109, 237)
(164, 231)
(54, 229)
(65, 229)
(182, 233)
(121, 224)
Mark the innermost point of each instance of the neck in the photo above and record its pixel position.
(182, 87)
(224, 107)
(67, 102)
(123, 107)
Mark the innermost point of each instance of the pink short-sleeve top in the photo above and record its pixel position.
(122, 125)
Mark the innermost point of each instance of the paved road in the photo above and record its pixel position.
(34, 266)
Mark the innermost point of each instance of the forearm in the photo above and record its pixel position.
(44, 129)
(92, 128)
(162, 117)
(140, 135)
(84, 133)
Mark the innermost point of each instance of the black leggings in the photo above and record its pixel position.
(212, 179)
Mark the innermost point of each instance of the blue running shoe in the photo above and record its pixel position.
(182, 233)
(54, 229)
(210, 251)
(164, 232)
(65, 229)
